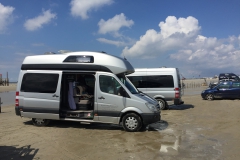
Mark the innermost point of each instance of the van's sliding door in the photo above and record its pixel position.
(40, 92)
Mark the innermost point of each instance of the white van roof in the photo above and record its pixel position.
(155, 69)
(82, 60)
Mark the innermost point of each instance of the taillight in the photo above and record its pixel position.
(17, 100)
(176, 92)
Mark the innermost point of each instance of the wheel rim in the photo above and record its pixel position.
(209, 97)
(131, 123)
(161, 104)
(39, 121)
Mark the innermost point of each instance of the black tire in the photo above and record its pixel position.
(132, 122)
(209, 97)
(40, 122)
(162, 104)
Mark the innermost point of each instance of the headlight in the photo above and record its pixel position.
(203, 91)
(151, 107)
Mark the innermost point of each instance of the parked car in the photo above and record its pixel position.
(224, 90)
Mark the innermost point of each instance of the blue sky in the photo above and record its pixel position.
(200, 37)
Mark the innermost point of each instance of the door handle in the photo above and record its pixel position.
(101, 97)
(55, 95)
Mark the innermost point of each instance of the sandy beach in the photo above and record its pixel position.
(11, 87)
(199, 129)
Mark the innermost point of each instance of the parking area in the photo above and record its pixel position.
(199, 129)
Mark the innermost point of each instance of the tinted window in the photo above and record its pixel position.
(160, 81)
(138, 81)
(164, 81)
(39, 83)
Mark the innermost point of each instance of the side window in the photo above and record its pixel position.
(138, 81)
(224, 86)
(39, 82)
(165, 81)
(109, 85)
(236, 85)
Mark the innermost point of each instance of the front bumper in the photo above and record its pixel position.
(149, 118)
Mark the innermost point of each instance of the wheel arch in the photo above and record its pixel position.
(130, 110)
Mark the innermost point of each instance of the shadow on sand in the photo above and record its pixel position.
(12, 152)
(181, 107)
(161, 125)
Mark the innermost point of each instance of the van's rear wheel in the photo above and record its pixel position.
(40, 122)
(132, 122)
(162, 104)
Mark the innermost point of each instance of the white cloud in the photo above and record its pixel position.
(37, 22)
(116, 43)
(83, 7)
(179, 40)
(174, 34)
(114, 24)
(187, 26)
(5, 16)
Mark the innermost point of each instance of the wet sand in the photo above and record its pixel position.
(199, 129)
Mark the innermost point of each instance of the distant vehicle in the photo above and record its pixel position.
(223, 77)
(228, 77)
(224, 90)
(163, 84)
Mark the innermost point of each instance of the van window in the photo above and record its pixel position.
(39, 82)
(109, 84)
(138, 81)
(164, 81)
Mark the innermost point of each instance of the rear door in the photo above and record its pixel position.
(40, 94)
(235, 90)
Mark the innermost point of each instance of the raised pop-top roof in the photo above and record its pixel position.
(82, 60)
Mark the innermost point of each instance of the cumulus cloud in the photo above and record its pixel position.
(180, 40)
(5, 16)
(114, 24)
(210, 53)
(116, 43)
(37, 22)
(81, 8)
(173, 34)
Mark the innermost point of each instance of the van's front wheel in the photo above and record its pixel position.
(40, 122)
(132, 122)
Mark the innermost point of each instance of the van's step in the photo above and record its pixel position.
(78, 114)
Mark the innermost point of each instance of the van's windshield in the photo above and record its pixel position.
(128, 84)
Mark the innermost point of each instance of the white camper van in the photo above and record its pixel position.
(163, 84)
(82, 86)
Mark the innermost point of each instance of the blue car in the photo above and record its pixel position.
(224, 90)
